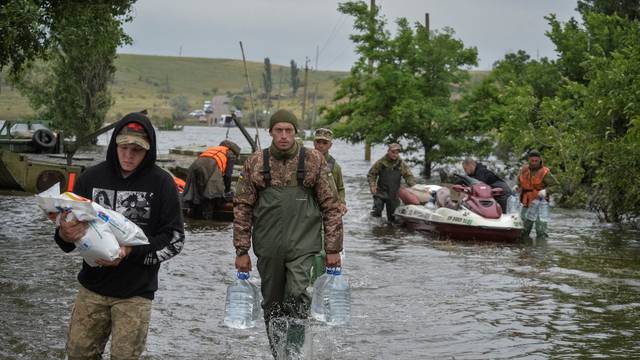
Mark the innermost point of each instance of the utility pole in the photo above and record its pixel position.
(304, 94)
(253, 110)
(180, 51)
(367, 144)
(315, 92)
(426, 23)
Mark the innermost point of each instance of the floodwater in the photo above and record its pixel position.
(576, 295)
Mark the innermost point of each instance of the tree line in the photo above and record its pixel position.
(582, 110)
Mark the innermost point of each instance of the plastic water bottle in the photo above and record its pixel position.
(543, 210)
(513, 205)
(242, 307)
(532, 211)
(338, 306)
(320, 297)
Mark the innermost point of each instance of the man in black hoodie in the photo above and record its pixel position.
(115, 297)
(480, 172)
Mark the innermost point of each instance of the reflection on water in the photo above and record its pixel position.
(575, 295)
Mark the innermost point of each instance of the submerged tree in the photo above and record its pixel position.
(401, 87)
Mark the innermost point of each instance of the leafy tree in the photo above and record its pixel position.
(24, 34)
(407, 91)
(295, 78)
(181, 107)
(624, 8)
(73, 91)
(267, 84)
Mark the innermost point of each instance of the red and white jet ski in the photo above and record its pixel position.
(477, 216)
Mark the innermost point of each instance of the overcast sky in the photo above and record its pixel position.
(292, 29)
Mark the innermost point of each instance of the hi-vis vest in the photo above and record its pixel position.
(219, 154)
(531, 183)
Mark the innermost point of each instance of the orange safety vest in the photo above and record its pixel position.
(180, 184)
(219, 154)
(531, 183)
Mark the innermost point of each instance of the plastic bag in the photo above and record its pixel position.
(107, 230)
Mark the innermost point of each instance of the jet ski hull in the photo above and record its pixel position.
(459, 224)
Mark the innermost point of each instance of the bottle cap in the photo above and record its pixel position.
(243, 275)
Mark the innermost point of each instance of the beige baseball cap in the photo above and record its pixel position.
(133, 133)
(395, 146)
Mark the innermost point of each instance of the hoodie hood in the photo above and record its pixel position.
(149, 159)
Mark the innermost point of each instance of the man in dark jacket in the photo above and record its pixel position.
(115, 297)
(480, 172)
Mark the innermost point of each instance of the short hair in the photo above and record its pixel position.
(468, 161)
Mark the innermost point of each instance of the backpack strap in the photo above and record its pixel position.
(300, 173)
(266, 169)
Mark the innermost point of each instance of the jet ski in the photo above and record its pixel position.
(475, 216)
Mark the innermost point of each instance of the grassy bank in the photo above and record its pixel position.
(146, 81)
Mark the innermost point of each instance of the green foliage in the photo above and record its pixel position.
(267, 83)
(295, 78)
(181, 107)
(581, 110)
(72, 92)
(623, 8)
(401, 87)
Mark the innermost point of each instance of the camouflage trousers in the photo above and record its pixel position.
(95, 317)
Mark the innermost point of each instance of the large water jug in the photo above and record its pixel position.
(513, 205)
(338, 309)
(320, 297)
(543, 211)
(242, 307)
(532, 211)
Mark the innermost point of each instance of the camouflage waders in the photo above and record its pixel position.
(287, 235)
(387, 192)
(541, 226)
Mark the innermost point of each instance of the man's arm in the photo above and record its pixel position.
(372, 175)
(406, 174)
(243, 202)
(329, 203)
(551, 184)
(79, 189)
(337, 175)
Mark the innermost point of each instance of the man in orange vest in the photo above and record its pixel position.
(209, 177)
(535, 181)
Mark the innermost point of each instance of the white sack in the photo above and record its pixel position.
(107, 231)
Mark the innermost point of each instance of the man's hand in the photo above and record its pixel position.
(373, 188)
(542, 193)
(72, 230)
(333, 260)
(343, 208)
(243, 263)
(124, 252)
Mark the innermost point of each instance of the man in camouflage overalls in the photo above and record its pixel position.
(384, 181)
(284, 198)
(322, 141)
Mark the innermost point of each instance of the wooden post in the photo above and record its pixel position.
(304, 94)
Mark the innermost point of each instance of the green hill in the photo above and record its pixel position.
(147, 81)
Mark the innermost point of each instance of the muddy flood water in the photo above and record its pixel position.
(575, 295)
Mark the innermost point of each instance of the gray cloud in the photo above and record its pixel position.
(292, 29)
